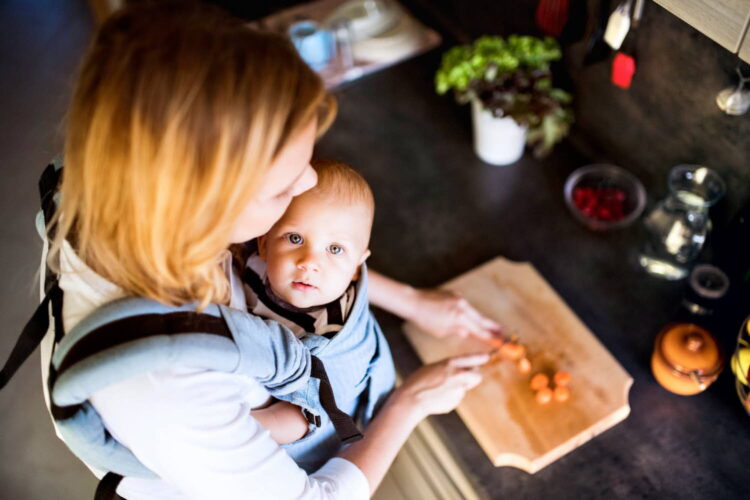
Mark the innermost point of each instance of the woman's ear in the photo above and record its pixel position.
(262, 246)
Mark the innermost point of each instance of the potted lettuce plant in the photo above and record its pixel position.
(509, 85)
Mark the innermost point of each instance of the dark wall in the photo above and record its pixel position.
(668, 116)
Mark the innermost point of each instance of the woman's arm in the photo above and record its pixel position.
(438, 312)
(433, 389)
(195, 431)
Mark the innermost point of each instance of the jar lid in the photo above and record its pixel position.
(690, 349)
(709, 281)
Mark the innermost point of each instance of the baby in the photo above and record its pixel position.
(312, 255)
(309, 275)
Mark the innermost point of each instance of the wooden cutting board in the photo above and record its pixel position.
(501, 413)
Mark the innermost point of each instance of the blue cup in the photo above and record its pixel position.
(314, 44)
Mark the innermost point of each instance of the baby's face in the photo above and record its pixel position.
(314, 252)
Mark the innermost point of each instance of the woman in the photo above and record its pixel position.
(188, 132)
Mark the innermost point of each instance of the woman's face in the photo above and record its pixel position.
(290, 174)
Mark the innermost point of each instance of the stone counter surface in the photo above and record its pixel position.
(441, 212)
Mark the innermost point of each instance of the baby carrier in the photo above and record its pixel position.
(135, 335)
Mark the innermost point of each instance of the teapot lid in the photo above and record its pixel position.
(689, 349)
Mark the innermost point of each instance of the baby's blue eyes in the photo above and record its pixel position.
(335, 249)
(294, 238)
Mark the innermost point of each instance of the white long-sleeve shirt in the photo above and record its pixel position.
(193, 428)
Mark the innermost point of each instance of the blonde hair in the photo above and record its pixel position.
(177, 114)
(342, 183)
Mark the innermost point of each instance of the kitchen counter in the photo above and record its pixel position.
(441, 212)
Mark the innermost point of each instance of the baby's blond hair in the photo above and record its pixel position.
(343, 184)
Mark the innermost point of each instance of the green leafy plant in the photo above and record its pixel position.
(511, 77)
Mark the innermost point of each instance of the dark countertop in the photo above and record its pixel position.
(441, 212)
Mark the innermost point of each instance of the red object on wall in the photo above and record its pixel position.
(551, 16)
(623, 69)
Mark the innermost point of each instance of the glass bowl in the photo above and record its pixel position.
(604, 197)
(740, 364)
(696, 185)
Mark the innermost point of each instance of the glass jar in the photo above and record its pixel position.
(678, 226)
(706, 287)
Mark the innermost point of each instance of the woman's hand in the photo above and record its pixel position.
(437, 312)
(435, 388)
(442, 313)
(439, 387)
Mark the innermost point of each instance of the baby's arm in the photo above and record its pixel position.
(283, 420)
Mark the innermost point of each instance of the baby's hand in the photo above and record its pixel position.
(442, 313)
(283, 420)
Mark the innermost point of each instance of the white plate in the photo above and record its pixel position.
(365, 23)
(403, 39)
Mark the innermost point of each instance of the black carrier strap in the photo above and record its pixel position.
(48, 183)
(33, 332)
(107, 489)
(30, 338)
(344, 424)
(305, 321)
(140, 327)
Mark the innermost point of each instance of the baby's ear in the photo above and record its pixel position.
(364, 258)
(262, 246)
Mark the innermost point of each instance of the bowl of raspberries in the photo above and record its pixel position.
(604, 197)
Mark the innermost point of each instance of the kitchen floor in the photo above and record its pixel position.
(41, 43)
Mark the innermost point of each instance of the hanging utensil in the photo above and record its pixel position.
(624, 63)
(735, 100)
(596, 50)
(637, 13)
(618, 25)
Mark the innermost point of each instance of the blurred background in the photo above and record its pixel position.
(668, 116)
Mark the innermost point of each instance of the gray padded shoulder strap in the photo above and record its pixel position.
(119, 340)
(131, 336)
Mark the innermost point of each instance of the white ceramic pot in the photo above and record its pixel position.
(497, 141)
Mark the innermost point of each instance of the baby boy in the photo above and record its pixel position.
(310, 258)
(309, 274)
